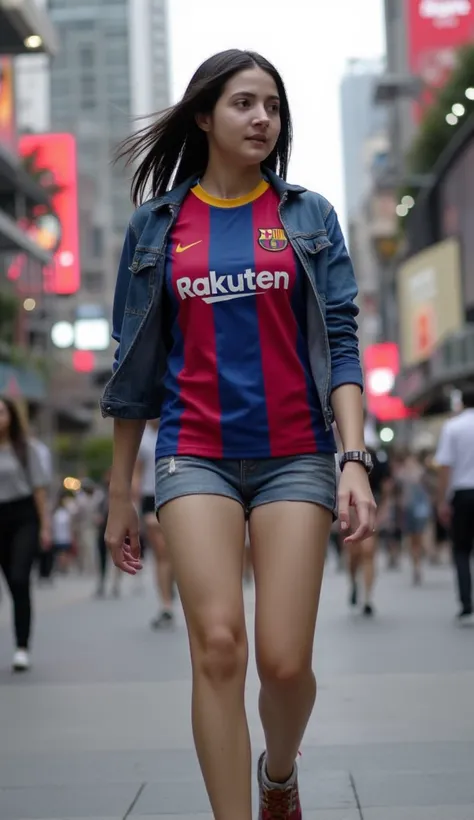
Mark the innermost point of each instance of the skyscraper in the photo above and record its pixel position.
(111, 70)
(365, 149)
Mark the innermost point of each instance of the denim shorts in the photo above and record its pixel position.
(310, 478)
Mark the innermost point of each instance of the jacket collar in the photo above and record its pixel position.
(177, 195)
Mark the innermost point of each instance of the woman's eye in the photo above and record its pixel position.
(243, 103)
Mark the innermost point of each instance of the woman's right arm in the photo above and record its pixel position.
(122, 521)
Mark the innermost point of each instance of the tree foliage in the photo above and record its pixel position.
(435, 133)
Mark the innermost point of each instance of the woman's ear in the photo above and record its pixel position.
(203, 121)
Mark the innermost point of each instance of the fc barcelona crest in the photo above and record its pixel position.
(272, 239)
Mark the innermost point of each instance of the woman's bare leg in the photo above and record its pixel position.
(289, 541)
(416, 550)
(205, 538)
(368, 564)
(164, 573)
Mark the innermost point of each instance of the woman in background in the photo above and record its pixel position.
(63, 532)
(24, 520)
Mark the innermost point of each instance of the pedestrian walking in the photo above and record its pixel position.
(62, 528)
(144, 490)
(24, 520)
(455, 459)
(236, 321)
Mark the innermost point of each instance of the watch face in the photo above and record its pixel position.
(360, 456)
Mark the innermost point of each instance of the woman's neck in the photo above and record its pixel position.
(223, 182)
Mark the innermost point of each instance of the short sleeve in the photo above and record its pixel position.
(38, 473)
(444, 454)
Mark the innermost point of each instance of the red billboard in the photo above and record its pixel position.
(436, 29)
(381, 368)
(52, 159)
(7, 113)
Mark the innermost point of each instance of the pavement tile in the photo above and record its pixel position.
(415, 789)
(329, 791)
(336, 814)
(108, 702)
(60, 802)
(425, 813)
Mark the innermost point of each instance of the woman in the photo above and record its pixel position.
(416, 510)
(235, 316)
(144, 496)
(24, 520)
(62, 531)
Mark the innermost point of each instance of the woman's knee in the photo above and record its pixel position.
(156, 539)
(283, 670)
(20, 588)
(220, 652)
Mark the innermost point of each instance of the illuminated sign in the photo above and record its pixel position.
(436, 29)
(381, 367)
(7, 117)
(430, 302)
(55, 162)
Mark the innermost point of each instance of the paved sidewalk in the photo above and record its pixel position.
(100, 727)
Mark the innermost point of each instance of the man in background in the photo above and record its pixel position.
(455, 459)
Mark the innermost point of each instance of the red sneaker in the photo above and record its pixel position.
(278, 801)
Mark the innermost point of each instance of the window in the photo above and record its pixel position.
(86, 56)
(88, 91)
(88, 85)
(97, 241)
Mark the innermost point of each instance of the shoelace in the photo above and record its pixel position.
(278, 803)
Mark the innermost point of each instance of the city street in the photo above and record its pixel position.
(100, 728)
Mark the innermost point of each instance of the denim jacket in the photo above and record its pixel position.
(135, 390)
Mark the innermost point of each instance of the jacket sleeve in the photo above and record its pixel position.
(121, 289)
(341, 310)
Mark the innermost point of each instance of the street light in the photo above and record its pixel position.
(62, 335)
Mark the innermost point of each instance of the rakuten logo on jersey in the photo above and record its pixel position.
(441, 10)
(215, 288)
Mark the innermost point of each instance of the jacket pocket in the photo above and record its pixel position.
(313, 244)
(143, 258)
(142, 282)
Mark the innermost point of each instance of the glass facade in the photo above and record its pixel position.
(456, 215)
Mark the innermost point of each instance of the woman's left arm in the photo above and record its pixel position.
(347, 381)
(354, 487)
(39, 482)
(42, 505)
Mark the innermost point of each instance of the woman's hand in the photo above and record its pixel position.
(354, 491)
(46, 538)
(122, 534)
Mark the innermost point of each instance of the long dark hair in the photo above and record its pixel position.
(174, 148)
(17, 432)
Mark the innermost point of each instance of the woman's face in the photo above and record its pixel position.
(4, 419)
(245, 124)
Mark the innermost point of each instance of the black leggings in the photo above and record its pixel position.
(463, 543)
(19, 528)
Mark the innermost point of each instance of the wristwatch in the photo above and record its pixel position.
(361, 456)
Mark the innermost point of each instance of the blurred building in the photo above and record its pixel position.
(25, 29)
(361, 119)
(111, 69)
(428, 298)
(365, 151)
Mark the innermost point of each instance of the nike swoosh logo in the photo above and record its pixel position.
(181, 248)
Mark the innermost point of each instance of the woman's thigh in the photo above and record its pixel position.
(24, 549)
(289, 541)
(204, 536)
